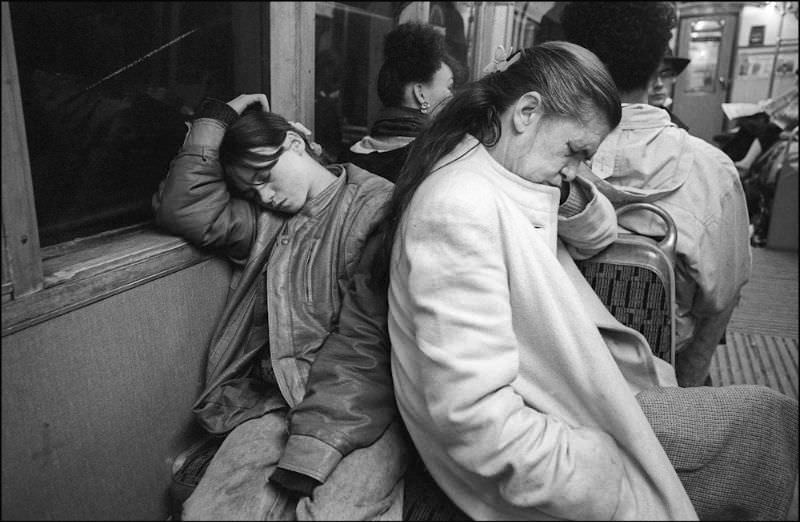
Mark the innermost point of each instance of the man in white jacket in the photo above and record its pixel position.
(648, 158)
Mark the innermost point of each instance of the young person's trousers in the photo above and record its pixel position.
(366, 484)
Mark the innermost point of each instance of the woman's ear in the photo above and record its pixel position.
(419, 94)
(294, 142)
(527, 110)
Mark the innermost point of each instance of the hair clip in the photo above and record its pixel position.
(502, 59)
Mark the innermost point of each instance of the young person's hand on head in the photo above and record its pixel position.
(243, 101)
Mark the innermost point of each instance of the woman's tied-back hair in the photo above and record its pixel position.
(412, 52)
(629, 37)
(571, 81)
(256, 128)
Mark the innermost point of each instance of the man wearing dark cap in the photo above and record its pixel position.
(661, 86)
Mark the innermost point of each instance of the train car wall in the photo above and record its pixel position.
(97, 402)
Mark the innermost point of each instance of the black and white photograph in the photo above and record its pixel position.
(399, 261)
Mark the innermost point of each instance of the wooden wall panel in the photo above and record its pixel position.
(97, 402)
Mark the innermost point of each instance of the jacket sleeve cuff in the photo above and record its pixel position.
(217, 110)
(309, 456)
(296, 482)
(575, 202)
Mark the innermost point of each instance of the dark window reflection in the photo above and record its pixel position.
(105, 104)
(349, 53)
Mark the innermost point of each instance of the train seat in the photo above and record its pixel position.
(635, 279)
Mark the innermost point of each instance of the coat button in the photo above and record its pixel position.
(285, 241)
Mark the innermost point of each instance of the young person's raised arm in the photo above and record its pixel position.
(193, 200)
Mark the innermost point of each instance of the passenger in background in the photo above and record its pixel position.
(415, 79)
(661, 87)
(327, 105)
(648, 159)
(525, 398)
(297, 378)
(766, 135)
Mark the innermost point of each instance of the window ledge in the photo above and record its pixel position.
(83, 271)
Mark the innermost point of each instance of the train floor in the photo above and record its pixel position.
(762, 336)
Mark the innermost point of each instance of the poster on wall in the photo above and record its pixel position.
(754, 66)
(785, 64)
(757, 35)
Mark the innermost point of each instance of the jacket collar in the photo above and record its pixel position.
(645, 158)
(369, 144)
(527, 194)
(320, 202)
(537, 202)
(395, 127)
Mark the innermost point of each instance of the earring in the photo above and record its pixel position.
(424, 107)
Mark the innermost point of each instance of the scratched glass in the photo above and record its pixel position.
(106, 90)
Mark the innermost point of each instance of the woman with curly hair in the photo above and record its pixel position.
(415, 79)
(648, 158)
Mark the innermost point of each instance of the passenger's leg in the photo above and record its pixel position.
(235, 486)
(366, 485)
(734, 447)
(693, 361)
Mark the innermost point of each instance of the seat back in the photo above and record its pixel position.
(635, 279)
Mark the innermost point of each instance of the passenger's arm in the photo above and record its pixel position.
(349, 401)
(469, 361)
(193, 200)
(718, 256)
(744, 164)
(587, 222)
(718, 260)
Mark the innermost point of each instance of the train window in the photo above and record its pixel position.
(106, 88)
(348, 55)
(456, 20)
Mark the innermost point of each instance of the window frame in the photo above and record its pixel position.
(39, 284)
(42, 283)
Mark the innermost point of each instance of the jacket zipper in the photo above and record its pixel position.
(309, 258)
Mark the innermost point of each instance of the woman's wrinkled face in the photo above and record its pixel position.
(440, 88)
(270, 176)
(557, 147)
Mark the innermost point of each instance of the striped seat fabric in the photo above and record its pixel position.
(634, 277)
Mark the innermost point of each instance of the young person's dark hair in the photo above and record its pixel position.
(414, 82)
(256, 128)
(630, 38)
(571, 81)
(413, 52)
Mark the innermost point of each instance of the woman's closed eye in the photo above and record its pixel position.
(579, 154)
(262, 175)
